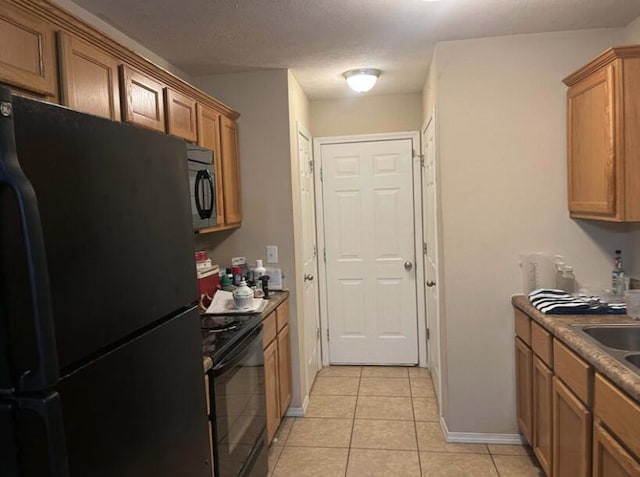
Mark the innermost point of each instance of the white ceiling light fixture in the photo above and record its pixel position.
(362, 80)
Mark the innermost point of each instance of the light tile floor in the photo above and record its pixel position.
(370, 421)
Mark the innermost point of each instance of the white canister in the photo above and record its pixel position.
(243, 296)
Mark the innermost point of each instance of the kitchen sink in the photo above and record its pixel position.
(620, 341)
(624, 337)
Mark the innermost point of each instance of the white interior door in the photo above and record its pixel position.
(429, 210)
(310, 264)
(367, 190)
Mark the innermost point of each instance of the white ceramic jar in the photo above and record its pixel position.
(243, 296)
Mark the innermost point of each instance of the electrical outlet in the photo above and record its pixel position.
(272, 254)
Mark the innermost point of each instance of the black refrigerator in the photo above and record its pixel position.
(100, 345)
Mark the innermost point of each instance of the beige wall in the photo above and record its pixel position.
(120, 37)
(501, 141)
(632, 33)
(261, 97)
(366, 115)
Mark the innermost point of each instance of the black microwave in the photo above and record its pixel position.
(202, 186)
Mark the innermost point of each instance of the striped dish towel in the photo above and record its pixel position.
(558, 302)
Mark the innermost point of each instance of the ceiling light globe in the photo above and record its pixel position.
(362, 80)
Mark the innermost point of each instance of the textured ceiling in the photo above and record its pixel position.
(320, 39)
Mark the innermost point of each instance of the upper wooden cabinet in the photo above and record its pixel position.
(89, 78)
(142, 99)
(181, 115)
(27, 52)
(230, 170)
(603, 156)
(209, 137)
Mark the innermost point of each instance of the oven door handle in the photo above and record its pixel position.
(242, 349)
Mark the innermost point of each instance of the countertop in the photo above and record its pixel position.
(559, 326)
(275, 299)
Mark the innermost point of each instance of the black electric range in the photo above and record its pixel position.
(221, 332)
(236, 386)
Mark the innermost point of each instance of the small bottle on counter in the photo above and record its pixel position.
(559, 273)
(568, 279)
(618, 283)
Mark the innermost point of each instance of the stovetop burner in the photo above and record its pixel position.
(220, 332)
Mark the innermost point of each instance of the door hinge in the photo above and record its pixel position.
(428, 334)
(317, 333)
(324, 255)
(328, 334)
(321, 175)
(315, 251)
(421, 160)
(424, 248)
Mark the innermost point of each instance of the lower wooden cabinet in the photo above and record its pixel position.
(284, 368)
(542, 413)
(578, 423)
(277, 369)
(272, 389)
(572, 423)
(524, 389)
(610, 459)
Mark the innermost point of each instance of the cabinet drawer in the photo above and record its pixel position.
(523, 326)
(618, 412)
(573, 371)
(268, 329)
(282, 314)
(542, 343)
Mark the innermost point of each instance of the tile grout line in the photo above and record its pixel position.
(493, 461)
(353, 423)
(415, 425)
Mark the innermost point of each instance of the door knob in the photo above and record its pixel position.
(408, 265)
(431, 283)
(308, 277)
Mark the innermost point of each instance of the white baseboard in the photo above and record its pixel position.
(479, 437)
(298, 411)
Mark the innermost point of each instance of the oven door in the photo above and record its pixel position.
(239, 409)
(202, 189)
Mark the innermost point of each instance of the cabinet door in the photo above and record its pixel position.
(610, 459)
(571, 453)
(592, 157)
(271, 389)
(27, 51)
(89, 78)
(230, 171)
(142, 99)
(209, 137)
(524, 389)
(542, 413)
(284, 368)
(181, 115)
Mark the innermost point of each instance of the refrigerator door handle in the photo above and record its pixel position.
(49, 410)
(12, 176)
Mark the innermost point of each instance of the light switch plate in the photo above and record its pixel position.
(272, 254)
